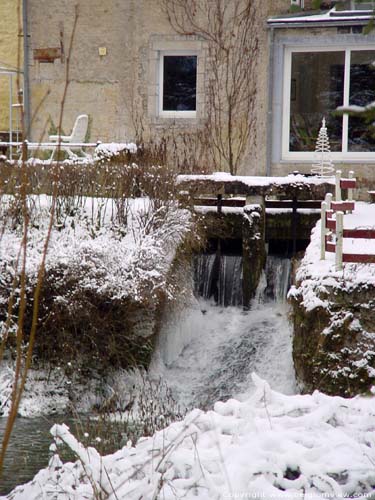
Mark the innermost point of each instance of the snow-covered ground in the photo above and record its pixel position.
(263, 445)
(270, 446)
(316, 275)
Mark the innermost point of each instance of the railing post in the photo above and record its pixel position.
(294, 225)
(323, 231)
(219, 203)
(328, 200)
(24, 151)
(339, 239)
(338, 187)
(350, 190)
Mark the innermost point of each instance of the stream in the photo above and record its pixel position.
(206, 352)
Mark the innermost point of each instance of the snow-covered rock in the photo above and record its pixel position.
(334, 325)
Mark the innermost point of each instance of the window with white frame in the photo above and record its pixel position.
(178, 84)
(316, 83)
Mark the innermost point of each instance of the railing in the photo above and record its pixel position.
(24, 147)
(332, 229)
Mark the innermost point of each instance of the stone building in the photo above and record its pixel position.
(126, 55)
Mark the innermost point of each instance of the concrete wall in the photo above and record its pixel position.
(118, 90)
(8, 57)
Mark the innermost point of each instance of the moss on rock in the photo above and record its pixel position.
(334, 343)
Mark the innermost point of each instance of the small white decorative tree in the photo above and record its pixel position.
(324, 166)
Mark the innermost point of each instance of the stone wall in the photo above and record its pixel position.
(334, 328)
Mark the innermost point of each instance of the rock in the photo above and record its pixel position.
(334, 330)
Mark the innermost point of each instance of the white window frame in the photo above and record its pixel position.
(343, 155)
(175, 114)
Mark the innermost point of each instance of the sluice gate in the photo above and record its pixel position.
(250, 217)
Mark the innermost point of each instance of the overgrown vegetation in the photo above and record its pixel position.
(124, 417)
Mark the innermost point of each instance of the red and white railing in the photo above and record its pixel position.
(332, 225)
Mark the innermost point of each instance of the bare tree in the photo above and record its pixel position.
(231, 32)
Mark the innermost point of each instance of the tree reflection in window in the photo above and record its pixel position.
(318, 86)
(179, 83)
(361, 133)
(317, 89)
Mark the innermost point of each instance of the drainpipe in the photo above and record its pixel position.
(26, 81)
(271, 37)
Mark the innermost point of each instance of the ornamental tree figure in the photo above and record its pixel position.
(324, 166)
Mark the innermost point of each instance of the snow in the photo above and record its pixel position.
(201, 209)
(314, 274)
(93, 244)
(249, 180)
(269, 446)
(265, 445)
(329, 16)
(95, 252)
(110, 149)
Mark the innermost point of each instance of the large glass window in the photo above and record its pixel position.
(320, 82)
(179, 83)
(361, 92)
(317, 89)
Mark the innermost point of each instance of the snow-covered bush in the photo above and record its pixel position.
(108, 264)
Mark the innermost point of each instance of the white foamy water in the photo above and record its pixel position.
(207, 353)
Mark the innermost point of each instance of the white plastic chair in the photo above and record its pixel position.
(77, 136)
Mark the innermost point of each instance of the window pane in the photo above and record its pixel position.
(317, 88)
(362, 92)
(362, 5)
(180, 83)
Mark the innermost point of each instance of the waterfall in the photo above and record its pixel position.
(207, 351)
(277, 277)
(219, 277)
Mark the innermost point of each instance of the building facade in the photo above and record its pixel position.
(137, 76)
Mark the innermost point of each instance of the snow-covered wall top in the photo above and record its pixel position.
(308, 187)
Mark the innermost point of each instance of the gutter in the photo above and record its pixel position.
(317, 24)
(331, 18)
(26, 80)
(271, 39)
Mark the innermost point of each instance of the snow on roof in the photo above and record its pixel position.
(330, 17)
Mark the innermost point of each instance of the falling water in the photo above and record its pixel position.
(219, 277)
(207, 352)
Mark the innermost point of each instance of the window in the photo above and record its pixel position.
(319, 81)
(362, 5)
(178, 85)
